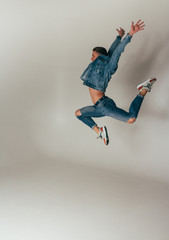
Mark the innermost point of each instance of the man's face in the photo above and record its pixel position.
(94, 55)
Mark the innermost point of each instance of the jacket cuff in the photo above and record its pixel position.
(128, 36)
(119, 37)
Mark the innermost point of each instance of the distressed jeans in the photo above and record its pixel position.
(105, 106)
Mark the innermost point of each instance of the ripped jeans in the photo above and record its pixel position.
(105, 106)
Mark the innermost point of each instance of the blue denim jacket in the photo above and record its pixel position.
(98, 73)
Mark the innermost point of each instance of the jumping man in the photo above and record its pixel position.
(97, 76)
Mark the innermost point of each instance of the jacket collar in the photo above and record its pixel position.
(103, 58)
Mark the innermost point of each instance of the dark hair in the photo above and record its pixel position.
(100, 50)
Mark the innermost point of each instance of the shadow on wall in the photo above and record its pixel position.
(152, 57)
(151, 60)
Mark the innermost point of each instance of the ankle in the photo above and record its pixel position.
(96, 129)
(143, 92)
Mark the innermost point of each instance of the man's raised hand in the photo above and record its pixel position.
(121, 32)
(136, 27)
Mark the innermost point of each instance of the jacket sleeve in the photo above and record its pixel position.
(113, 62)
(114, 45)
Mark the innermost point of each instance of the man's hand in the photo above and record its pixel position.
(136, 28)
(121, 32)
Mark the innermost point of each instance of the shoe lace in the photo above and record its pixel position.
(100, 136)
(149, 85)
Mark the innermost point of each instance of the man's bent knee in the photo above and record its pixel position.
(131, 120)
(78, 113)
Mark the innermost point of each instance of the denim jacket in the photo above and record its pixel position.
(98, 73)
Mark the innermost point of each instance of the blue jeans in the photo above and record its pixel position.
(105, 106)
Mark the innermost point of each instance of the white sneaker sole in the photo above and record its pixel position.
(106, 139)
(152, 80)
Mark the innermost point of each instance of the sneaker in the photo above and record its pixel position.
(104, 135)
(146, 85)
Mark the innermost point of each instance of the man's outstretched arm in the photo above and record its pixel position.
(113, 63)
(116, 42)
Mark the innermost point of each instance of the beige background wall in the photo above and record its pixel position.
(45, 151)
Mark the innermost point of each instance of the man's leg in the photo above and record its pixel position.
(85, 115)
(136, 104)
(113, 111)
